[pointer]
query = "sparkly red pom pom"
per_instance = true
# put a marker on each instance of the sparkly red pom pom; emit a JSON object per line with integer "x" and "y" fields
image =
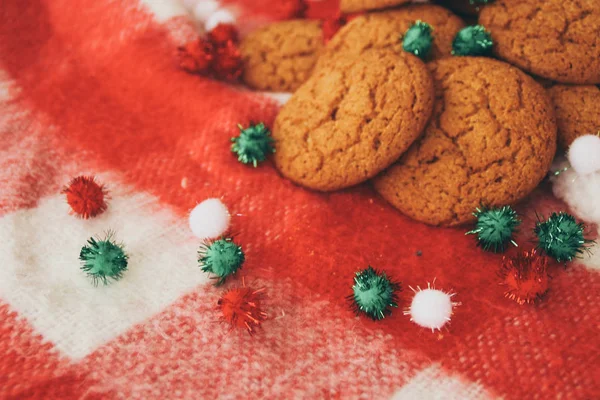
{"x": 525, "y": 276}
{"x": 228, "y": 62}
{"x": 196, "y": 56}
{"x": 86, "y": 197}
{"x": 241, "y": 308}
{"x": 223, "y": 33}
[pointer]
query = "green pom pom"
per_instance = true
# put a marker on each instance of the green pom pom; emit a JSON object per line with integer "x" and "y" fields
{"x": 253, "y": 145}
{"x": 374, "y": 294}
{"x": 221, "y": 257}
{"x": 472, "y": 41}
{"x": 103, "y": 259}
{"x": 495, "y": 228}
{"x": 418, "y": 39}
{"x": 561, "y": 237}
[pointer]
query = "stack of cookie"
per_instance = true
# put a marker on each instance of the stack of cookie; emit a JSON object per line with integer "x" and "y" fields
{"x": 438, "y": 136}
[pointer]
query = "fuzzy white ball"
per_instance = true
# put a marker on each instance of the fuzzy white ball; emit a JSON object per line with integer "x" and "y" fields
{"x": 221, "y": 16}
{"x": 584, "y": 154}
{"x": 205, "y": 9}
{"x": 580, "y": 193}
{"x": 431, "y": 308}
{"x": 209, "y": 219}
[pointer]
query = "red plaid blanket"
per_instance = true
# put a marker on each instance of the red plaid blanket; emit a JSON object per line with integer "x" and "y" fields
{"x": 93, "y": 88}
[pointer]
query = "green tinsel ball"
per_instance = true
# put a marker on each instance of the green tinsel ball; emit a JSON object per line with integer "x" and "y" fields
{"x": 221, "y": 257}
{"x": 103, "y": 259}
{"x": 495, "y": 227}
{"x": 561, "y": 237}
{"x": 374, "y": 294}
{"x": 253, "y": 145}
{"x": 472, "y": 41}
{"x": 418, "y": 39}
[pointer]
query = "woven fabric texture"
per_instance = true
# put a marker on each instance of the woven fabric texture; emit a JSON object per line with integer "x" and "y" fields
{"x": 93, "y": 88}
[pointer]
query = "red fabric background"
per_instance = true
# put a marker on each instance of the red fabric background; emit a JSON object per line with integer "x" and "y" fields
{"x": 122, "y": 104}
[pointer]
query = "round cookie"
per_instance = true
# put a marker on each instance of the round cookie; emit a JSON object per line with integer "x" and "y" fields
{"x": 384, "y": 30}
{"x": 352, "y": 120}
{"x": 281, "y": 56}
{"x": 490, "y": 141}
{"x": 555, "y": 39}
{"x": 577, "y": 111}
{"x": 352, "y": 6}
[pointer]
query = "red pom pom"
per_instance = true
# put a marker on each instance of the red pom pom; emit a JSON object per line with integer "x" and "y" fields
{"x": 241, "y": 308}
{"x": 223, "y": 33}
{"x": 86, "y": 197}
{"x": 196, "y": 56}
{"x": 228, "y": 62}
{"x": 525, "y": 276}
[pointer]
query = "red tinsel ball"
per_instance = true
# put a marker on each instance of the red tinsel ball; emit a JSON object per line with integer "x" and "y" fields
{"x": 241, "y": 308}
{"x": 196, "y": 56}
{"x": 223, "y": 33}
{"x": 525, "y": 276}
{"x": 228, "y": 62}
{"x": 86, "y": 197}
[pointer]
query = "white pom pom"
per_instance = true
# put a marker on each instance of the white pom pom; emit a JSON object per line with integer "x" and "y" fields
{"x": 205, "y": 9}
{"x": 209, "y": 219}
{"x": 581, "y": 193}
{"x": 431, "y": 308}
{"x": 221, "y": 16}
{"x": 584, "y": 154}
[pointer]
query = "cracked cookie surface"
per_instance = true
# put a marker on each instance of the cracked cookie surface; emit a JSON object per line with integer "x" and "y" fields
{"x": 385, "y": 30}
{"x": 281, "y": 56}
{"x": 491, "y": 140}
{"x": 577, "y": 111}
{"x": 350, "y": 121}
{"x": 555, "y": 39}
{"x": 351, "y": 6}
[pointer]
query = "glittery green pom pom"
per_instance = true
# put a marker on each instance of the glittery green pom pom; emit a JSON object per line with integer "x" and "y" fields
{"x": 561, "y": 237}
{"x": 472, "y": 41}
{"x": 221, "y": 257}
{"x": 103, "y": 259}
{"x": 495, "y": 228}
{"x": 253, "y": 145}
{"x": 374, "y": 294}
{"x": 418, "y": 39}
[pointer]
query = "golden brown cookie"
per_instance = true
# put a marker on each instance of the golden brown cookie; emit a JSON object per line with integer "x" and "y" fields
{"x": 352, "y": 6}
{"x": 555, "y": 39}
{"x": 281, "y": 56}
{"x": 385, "y": 29}
{"x": 577, "y": 111}
{"x": 350, "y": 121}
{"x": 490, "y": 141}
